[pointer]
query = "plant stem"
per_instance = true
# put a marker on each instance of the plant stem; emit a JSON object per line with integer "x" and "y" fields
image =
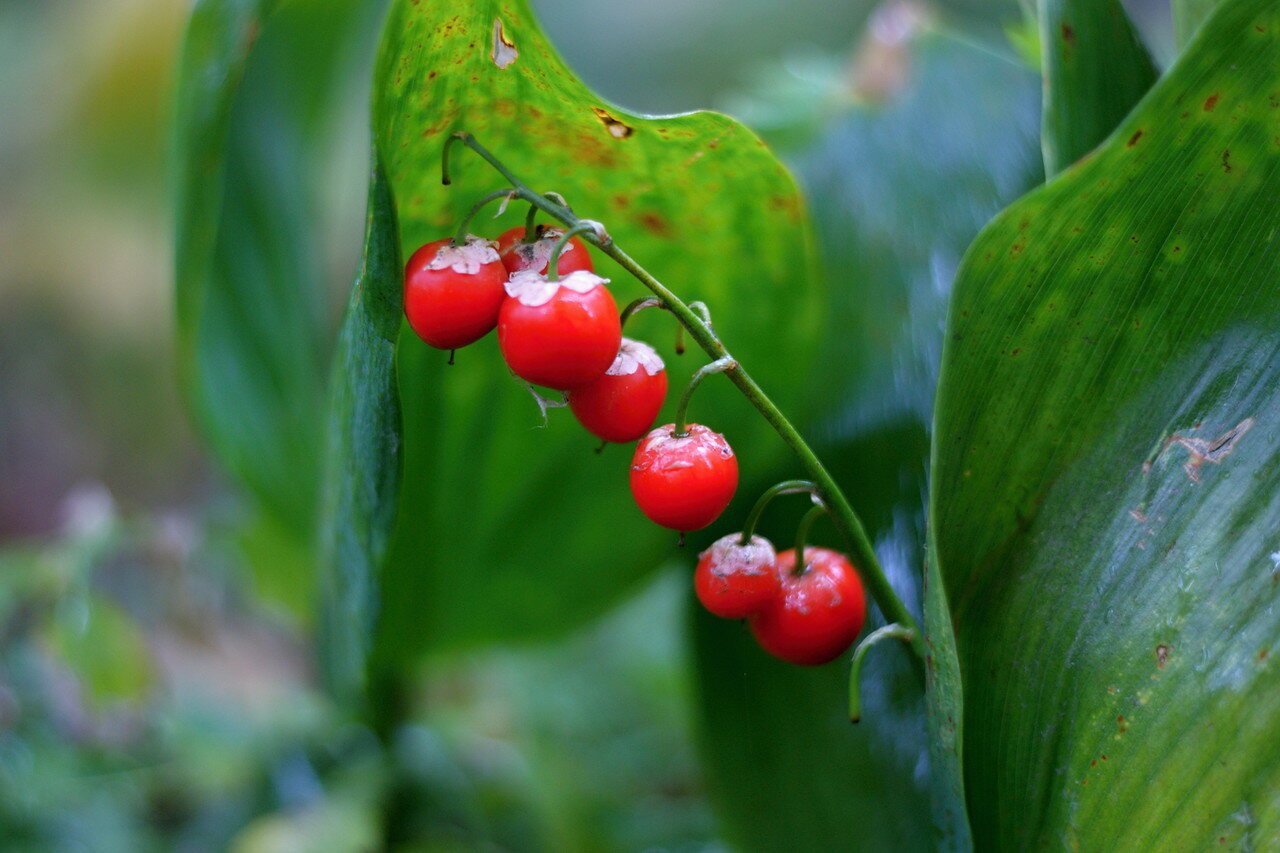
{"x": 637, "y": 305}
{"x": 802, "y": 536}
{"x": 553, "y": 262}
{"x": 724, "y": 364}
{"x": 786, "y": 487}
{"x": 886, "y": 632}
{"x": 465, "y": 225}
{"x": 842, "y": 514}
{"x": 530, "y": 228}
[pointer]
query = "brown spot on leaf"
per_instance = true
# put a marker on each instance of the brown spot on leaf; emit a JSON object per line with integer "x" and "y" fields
{"x": 1211, "y": 102}
{"x": 504, "y": 49}
{"x": 1226, "y": 159}
{"x": 1213, "y": 451}
{"x": 617, "y": 129}
{"x": 1133, "y": 140}
{"x": 1162, "y": 655}
{"x": 1122, "y": 724}
{"x": 1068, "y": 34}
{"x": 655, "y": 224}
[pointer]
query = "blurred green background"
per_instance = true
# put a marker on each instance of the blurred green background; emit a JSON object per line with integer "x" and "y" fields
{"x": 157, "y": 680}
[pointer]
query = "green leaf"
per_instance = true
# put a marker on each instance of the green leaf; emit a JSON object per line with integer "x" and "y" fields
{"x": 255, "y": 84}
{"x": 506, "y": 530}
{"x": 363, "y": 478}
{"x": 1095, "y": 70}
{"x": 1105, "y": 475}
{"x": 898, "y": 189}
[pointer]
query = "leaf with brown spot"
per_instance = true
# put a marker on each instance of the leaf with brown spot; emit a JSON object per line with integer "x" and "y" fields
{"x": 1095, "y": 70}
{"x": 506, "y": 532}
{"x": 1056, "y": 586}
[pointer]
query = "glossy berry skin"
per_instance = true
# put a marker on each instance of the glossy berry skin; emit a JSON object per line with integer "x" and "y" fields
{"x": 683, "y": 482}
{"x": 819, "y": 612}
{"x": 452, "y": 294}
{"x": 517, "y": 256}
{"x": 622, "y": 404}
{"x": 560, "y": 334}
{"x": 734, "y": 581}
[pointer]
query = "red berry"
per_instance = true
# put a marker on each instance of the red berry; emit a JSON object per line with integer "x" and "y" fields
{"x": 622, "y": 405}
{"x": 818, "y": 614}
{"x": 518, "y": 255}
{"x": 683, "y": 481}
{"x": 733, "y": 580}
{"x": 452, "y": 294}
{"x": 561, "y": 334}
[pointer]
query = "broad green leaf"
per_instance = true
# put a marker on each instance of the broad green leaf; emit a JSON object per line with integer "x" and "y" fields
{"x": 256, "y": 80}
{"x": 1095, "y": 70}
{"x": 507, "y": 530}
{"x": 363, "y": 478}
{"x": 898, "y": 190}
{"x": 1105, "y": 463}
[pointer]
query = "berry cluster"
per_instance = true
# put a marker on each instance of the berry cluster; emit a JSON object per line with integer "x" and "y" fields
{"x": 805, "y": 605}
{"x": 559, "y": 328}
{"x": 562, "y": 330}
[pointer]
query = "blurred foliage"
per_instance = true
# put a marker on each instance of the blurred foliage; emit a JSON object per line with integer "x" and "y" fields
{"x": 934, "y": 137}
{"x": 208, "y": 732}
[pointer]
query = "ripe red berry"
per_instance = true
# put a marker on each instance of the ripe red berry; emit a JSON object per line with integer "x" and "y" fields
{"x": 683, "y": 481}
{"x": 452, "y": 294}
{"x": 622, "y": 405}
{"x": 561, "y": 334}
{"x": 819, "y": 612}
{"x": 518, "y": 255}
{"x": 735, "y": 581}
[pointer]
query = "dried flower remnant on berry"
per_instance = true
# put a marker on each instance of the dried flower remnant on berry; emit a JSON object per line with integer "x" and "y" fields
{"x": 663, "y": 450}
{"x": 533, "y": 288}
{"x": 636, "y": 355}
{"x": 729, "y": 556}
{"x": 537, "y": 255}
{"x": 466, "y": 259}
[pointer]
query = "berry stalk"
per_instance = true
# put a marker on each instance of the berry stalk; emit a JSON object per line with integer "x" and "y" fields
{"x": 699, "y": 328}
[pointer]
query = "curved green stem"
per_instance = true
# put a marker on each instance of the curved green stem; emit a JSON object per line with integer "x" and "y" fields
{"x": 802, "y": 536}
{"x": 583, "y": 227}
{"x": 464, "y": 226}
{"x": 638, "y": 305}
{"x": 530, "y": 225}
{"x": 888, "y": 632}
{"x": 724, "y": 364}
{"x": 845, "y": 519}
{"x": 786, "y": 487}
{"x": 703, "y": 312}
